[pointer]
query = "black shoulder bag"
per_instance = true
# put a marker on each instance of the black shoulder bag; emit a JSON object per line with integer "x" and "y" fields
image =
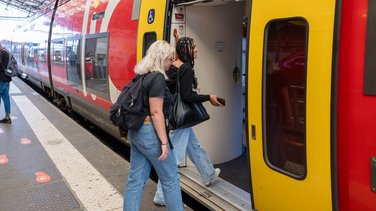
{"x": 184, "y": 114}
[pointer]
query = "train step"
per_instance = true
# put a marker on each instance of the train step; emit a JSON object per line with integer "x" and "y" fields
{"x": 221, "y": 195}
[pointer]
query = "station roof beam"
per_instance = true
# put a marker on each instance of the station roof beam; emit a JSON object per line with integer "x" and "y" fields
{"x": 30, "y": 6}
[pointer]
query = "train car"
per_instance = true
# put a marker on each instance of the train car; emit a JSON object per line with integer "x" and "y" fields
{"x": 298, "y": 78}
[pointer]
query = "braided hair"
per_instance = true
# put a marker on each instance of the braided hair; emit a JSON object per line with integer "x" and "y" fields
{"x": 185, "y": 51}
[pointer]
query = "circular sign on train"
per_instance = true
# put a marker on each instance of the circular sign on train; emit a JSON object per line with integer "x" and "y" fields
{"x": 151, "y": 15}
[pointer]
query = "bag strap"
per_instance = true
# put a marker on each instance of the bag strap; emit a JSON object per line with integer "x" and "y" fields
{"x": 2, "y": 66}
{"x": 178, "y": 81}
{"x": 10, "y": 57}
{"x": 168, "y": 135}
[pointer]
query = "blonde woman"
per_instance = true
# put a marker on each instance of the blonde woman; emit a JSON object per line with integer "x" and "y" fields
{"x": 149, "y": 144}
{"x": 184, "y": 139}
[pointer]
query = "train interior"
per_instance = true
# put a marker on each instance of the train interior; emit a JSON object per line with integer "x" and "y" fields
{"x": 217, "y": 28}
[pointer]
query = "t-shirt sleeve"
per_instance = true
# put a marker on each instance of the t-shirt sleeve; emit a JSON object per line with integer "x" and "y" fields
{"x": 157, "y": 86}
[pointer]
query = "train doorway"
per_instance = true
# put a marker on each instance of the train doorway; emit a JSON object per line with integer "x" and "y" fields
{"x": 217, "y": 28}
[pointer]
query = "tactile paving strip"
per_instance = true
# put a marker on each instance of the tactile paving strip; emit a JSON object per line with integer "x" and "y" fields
{"x": 47, "y": 197}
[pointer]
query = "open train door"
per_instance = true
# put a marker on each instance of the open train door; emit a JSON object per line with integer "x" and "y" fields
{"x": 151, "y": 25}
{"x": 289, "y": 102}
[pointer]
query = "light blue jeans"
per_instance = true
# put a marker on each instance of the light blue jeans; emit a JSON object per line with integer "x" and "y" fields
{"x": 4, "y": 93}
{"x": 185, "y": 141}
{"x": 145, "y": 150}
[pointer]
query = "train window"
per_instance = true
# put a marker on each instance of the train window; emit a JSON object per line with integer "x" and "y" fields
{"x": 32, "y": 55}
{"x": 42, "y": 55}
{"x": 73, "y": 56}
{"x": 149, "y": 38}
{"x": 136, "y": 9}
{"x": 58, "y": 52}
{"x": 370, "y": 63}
{"x": 96, "y": 64}
{"x": 284, "y": 101}
{"x": 42, "y": 52}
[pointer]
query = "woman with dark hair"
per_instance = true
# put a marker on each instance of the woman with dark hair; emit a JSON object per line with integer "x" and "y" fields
{"x": 184, "y": 140}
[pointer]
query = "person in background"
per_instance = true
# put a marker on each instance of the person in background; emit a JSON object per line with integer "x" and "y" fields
{"x": 149, "y": 144}
{"x": 4, "y": 84}
{"x": 184, "y": 140}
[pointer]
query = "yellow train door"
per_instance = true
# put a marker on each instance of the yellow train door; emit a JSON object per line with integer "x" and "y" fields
{"x": 151, "y": 24}
{"x": 289, "y": 98}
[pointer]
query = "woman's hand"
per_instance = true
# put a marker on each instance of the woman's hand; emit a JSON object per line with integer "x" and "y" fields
{"x": 164, "y": 152}
{"x": 214, "y": 101}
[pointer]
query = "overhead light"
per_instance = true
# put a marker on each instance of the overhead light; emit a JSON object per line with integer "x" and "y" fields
{"x": 193, "y": 2}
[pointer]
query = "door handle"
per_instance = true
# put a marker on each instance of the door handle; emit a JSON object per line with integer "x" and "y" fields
{"x": 373, "y": 174}
{"x": 253, "y": 132}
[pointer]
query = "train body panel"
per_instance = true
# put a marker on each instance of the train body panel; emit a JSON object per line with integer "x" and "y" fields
{"x": 290, "y": 78}
{"x": 356, "y": 114}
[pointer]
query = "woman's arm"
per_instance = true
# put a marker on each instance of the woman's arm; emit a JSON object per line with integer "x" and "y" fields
{"x": 186, "y": 90}
{"x": 156, "y": 112}
{"x": 189, "y": 95}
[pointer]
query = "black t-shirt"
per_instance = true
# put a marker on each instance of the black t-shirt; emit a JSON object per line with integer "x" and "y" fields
{"x": 4, "y": 59}
{"x": 154, "y": 85}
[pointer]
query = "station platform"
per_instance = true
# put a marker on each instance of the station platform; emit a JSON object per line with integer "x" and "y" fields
{"x": 49, "y": 162}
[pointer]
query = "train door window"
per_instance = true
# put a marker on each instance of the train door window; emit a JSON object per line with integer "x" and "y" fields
{"x": 23, "y": 54}
{"x": 284, "y": 100}
{"x": 96, "y": 64}
{"x": 32, "y": 55}
{"x": 35, "y": 57}
{"x": 28, "y": 55}
{"x": 42, "y": 52}
{"x": 17, "y": 52}
{"x": 149, "y": 38}
{"x": 58, "y": 52}
{"x": 72, "y": 50}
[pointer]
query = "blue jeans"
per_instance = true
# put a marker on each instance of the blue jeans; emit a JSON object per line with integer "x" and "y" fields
{"x": 185, "y": 140}
{"x": 4, "y": 94}
{"x": 145, "y": 150}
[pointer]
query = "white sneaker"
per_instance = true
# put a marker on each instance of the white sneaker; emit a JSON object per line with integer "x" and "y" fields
{"x": 159, "y": 203}
{"x": 217, "y": 171}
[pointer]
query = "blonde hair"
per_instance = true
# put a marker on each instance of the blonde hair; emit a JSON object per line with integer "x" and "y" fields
{"x": 155, "y": 57}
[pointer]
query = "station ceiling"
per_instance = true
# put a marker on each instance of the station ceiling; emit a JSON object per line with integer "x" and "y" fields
{"x": 29, "y": 6}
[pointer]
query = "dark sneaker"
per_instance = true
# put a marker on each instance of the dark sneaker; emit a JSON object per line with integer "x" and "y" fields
{"x": 6, "y": 121}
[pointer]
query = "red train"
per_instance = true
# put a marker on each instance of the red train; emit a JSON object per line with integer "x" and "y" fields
{"x": 298, "y": 78}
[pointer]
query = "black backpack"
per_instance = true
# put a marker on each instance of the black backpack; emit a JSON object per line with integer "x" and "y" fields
{"x": 128, "y": 110}
{"x": 11, "y": 69}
